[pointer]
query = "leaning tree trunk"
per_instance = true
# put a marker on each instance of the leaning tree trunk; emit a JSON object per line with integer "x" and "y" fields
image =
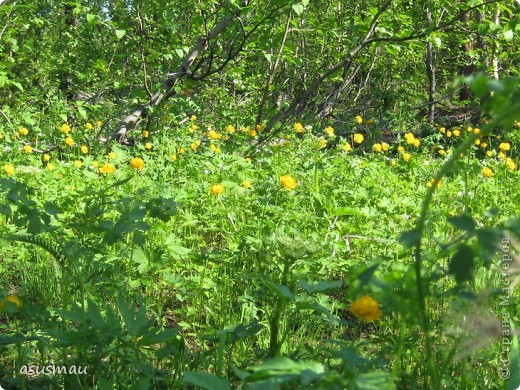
{"x": 166, "y": 90}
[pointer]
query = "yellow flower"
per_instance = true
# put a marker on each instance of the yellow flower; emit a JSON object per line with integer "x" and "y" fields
{"x": 298, "y": 127}
{"x": 9, "y": 169}
{"x": 442, "y": 152}
{"x": 230, "y": 129}
{"x": 145, "y": 133}
{"x": 443, "y": 130}
{"x": 95, "y": 164}
{"x": 469, "y": 129}
{"x": 393, "y": 162}
{"x": 358, "y": 138}
{"x": 194, "y": 146}
{"x": 107, "y": 168}
{"x": 137, "y": 163}
{"x": 89, "y": 126}
{"x": 409, "y": 138}
{"x": 99, "y": 123}
{"x": 193, "y": 128}
{"x": 78, "y": 163}
{"x": 65, "y": 128}
{"x": 476, "y": 130}
{"x": 27, "y": 149}
{"x": 502, "y": 156}
{"x": 407, "y": 156}
{"x": 456, "y": 133}
{"x": 69, "y": 141}
{"x": 347, "y": 147}
{"x": 51, "y": 166}
{"x": 216, "y": 189}
{"x": 11, "y": 299}
{"x": 214, "y": 135}
{"x": 23, "y": 130}
{"x": 288, "y": 182}
{"x": 173, "y": 157}
{"x": 384, "y": 146}
{"x": 322, "y": 143}
{"x": 477, "y": 141}
{"x": 416, "y": 142}
{"x": 483, "y": 145}
{"x": 84, "y": 149}
{"x": 489, "y": 153}
{"x": 111, "y": 155}
{"x": 329, "y": 130}
{"x": 193, "y": 118}
{"x": 248, "y": 160}
{"x": 215, "y": 149}
{"x": 487, "y": 172}
{"x": 366, "y": 308}
{"x": 180, "y": 151}
{"x": 400, "y": 149}
{"x": 259, "y": 127}
{"x": 148, "y": 145}
{"x": 246, "y": 184}
{"x": 504, "y": 146}
{"x": 377, "y": 147}
{"x": 432, "y": 182}
{"x": 358, "y": 119}
{"x": 511, "y": 165}
{"x": 252, "y": 133}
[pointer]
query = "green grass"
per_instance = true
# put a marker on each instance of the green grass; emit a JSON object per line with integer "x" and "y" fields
{"x": 151, "y": 281}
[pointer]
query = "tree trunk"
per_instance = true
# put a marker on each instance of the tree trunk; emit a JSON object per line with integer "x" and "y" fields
{"x": 429, "y": 61}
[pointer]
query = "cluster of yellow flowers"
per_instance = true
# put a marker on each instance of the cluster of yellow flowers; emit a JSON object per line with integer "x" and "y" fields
{"x": 412, "y": 140}
{"x": 287, "y": 181}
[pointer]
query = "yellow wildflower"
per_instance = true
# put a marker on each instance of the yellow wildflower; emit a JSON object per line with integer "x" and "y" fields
{"x": 51, "y": 166}
{"x": 322, "y": 143}
{"x": 358, "y": 138}
{"x": 416, "y": 142}
{"x": 259, "y": 127}
{"x": 487, "y": 172}
{"x": 137, "y": 163}
{"x": 215, "y": 149}
{"x": 504, "y": 146}
{"x": 384, "y": 146}
{"x": 329, "y": 130}
{"x": 511, "y": 164}
{"x": 23, "y": 130}
{"x": 65, "y": 128}
{"x": 502, "y": 156}
{"x": 246, "y": 184}
{"x": 173, "y": 157}
{"x": 366, "y": 308}
{"x": 84, "y": 149}
{"x": 69, "y": 141}
{"x": 9, "y": 169}
{"x": 252, "y": 133}
{"x": 216, "y": 189}
{"x": 400, "y": 149}
{"x": 89, "y": 126}
{"x": 288, "y": 182}
{"x": 193, "y": 118}
{"x": 298, "y": 127}
{"x": 248, "y": 160}
{"x": 358, "y": 119}
{"x": 148, "y": 145}
{"x": 377, "y": 147}
{"x": 99, "y": 123}
{"x": 10, "y": 300}
{"x": 230, "y": 129}
{"x": 27, "y": 149}
{"x": 78, "y": 163}
{"x": 347, "y": 147}
{"x": 46, "y": 157}
{"x": 456, "y": 133}
{"x": 107, "y": 168}
{"x": 180, "y": 151}
{"x": 407, "y": 156}
{"x": 111, "y": 155}
{"x": 145, "y": 133}
{"x": 214, "y": 135}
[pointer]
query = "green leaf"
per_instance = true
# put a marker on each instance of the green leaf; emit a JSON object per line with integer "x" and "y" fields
{"x": 298, "y": 9}
{"x": 120, "y": 34}
{"x": 410, "y": 238}
{"x": 463, "y": 222}
{"x": 176, "y": 250}
{"x": 462, "y": 264}
{"x": 205, "y": 381}
{"x": 508, "y": 35}
{"x": 281, "y": 291}
{"x": 91, "y": 18}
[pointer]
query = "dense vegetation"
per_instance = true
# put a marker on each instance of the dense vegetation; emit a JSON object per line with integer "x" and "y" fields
{"x": 259, "y": 194}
